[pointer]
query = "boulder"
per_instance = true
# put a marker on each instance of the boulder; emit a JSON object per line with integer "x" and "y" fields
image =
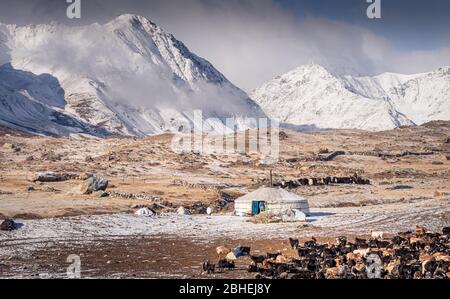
{"x": 51, "y": 156}
{"x": 85, "y": 176}
{"x": 102, "y": 194}
{"x": 145, "y": 212}
{"x": 331, "y": 156}
{"x": 13, "y": 147}
{"x": 183, "y": 211}
{"x": 93, "y": 184}
{"x": 9, "y": 225}
{"x": 293, "y": 216}
{"x": 240, "y": 251}
{"x": 47, "y": 177}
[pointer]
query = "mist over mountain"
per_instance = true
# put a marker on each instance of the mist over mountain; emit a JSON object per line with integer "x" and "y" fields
{"x": 130, "y": 77}
{"x": 126, "y": 77}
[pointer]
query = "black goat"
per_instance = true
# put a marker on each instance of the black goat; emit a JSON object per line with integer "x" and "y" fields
{"x": 224, "y": 264}
{"x": 273, "y": 255}
{"x": 257, "y": 259}
{"x": 208, "y": 267}
{"x": 294, "y": 243}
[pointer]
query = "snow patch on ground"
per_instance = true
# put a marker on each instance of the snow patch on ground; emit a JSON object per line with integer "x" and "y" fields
{"x": 321, "y": 222}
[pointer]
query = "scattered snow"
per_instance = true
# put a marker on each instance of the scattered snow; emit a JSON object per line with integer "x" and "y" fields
{"x": 390, "y": 218}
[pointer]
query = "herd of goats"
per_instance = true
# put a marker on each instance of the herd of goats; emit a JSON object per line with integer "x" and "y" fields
{"x": 408, "y": 255}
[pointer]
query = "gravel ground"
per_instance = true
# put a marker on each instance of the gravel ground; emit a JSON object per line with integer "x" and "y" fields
{"x": 168, "y": 240}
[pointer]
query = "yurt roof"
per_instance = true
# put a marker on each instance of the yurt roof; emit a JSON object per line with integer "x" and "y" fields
{"x": 271, "y": 195}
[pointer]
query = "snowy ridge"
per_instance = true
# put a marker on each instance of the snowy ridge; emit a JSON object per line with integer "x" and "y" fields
{"x": 311, "y": 95}
{"x": 126, "y": 77}
{"x": 422, "y": 97}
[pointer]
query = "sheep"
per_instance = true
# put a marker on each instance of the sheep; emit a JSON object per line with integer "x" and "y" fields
{"x": 420, "y": 231}
{"x": 439, "y": 256}
{"x": 362, "y": 252}
{"x": 222, "y": 251}
{"x": 282, "y": 259}
{"x": 268, "y": 264}
{"x": 392, "y": 265}
{"x": 231, "y": 257}
{"x": 360, "y": 266}
{"x": 427, "y": 256}
{"x": 413, "y": 240}
{"x": 353, "y": 256}
{"x": 332, "y": 273}
{"x": 378, "y": 235}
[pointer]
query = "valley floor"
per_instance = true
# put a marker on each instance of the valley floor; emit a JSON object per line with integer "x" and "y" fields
{"x": 171, "y": 245}
{"x": 408, "y": 168}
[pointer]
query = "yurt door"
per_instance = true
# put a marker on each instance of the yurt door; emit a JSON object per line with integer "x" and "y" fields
{"x": 258, "y": 207}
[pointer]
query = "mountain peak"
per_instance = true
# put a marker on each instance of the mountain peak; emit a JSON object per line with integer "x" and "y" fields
{"x": 444, "y": 70}
{"x": 306, "y": 73}
{"x": 129, "y": 77}
{"x": 313, "y": 95}
{"x": 133, "y": 20}
{"x": 312, "y": 68}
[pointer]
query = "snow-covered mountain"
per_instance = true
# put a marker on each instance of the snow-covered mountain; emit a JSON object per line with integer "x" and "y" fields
{"x": 311, "y": 95}
{"x": 421, "y": 97}
{"x": 126, "y": 77}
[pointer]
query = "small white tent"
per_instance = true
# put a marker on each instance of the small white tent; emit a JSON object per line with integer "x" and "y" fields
{"x": 272, "y": 200}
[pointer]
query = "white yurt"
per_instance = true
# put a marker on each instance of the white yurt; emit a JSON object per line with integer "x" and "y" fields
{"x": 272, "y": 200}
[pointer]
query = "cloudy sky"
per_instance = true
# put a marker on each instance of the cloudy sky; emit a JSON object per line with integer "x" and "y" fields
{"x": 252, "y": 41}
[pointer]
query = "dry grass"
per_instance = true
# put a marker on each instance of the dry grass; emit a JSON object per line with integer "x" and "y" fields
{"x": 149, "y": 166}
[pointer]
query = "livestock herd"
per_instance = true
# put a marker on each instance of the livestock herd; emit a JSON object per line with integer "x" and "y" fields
{"x": 408, "y": 255}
